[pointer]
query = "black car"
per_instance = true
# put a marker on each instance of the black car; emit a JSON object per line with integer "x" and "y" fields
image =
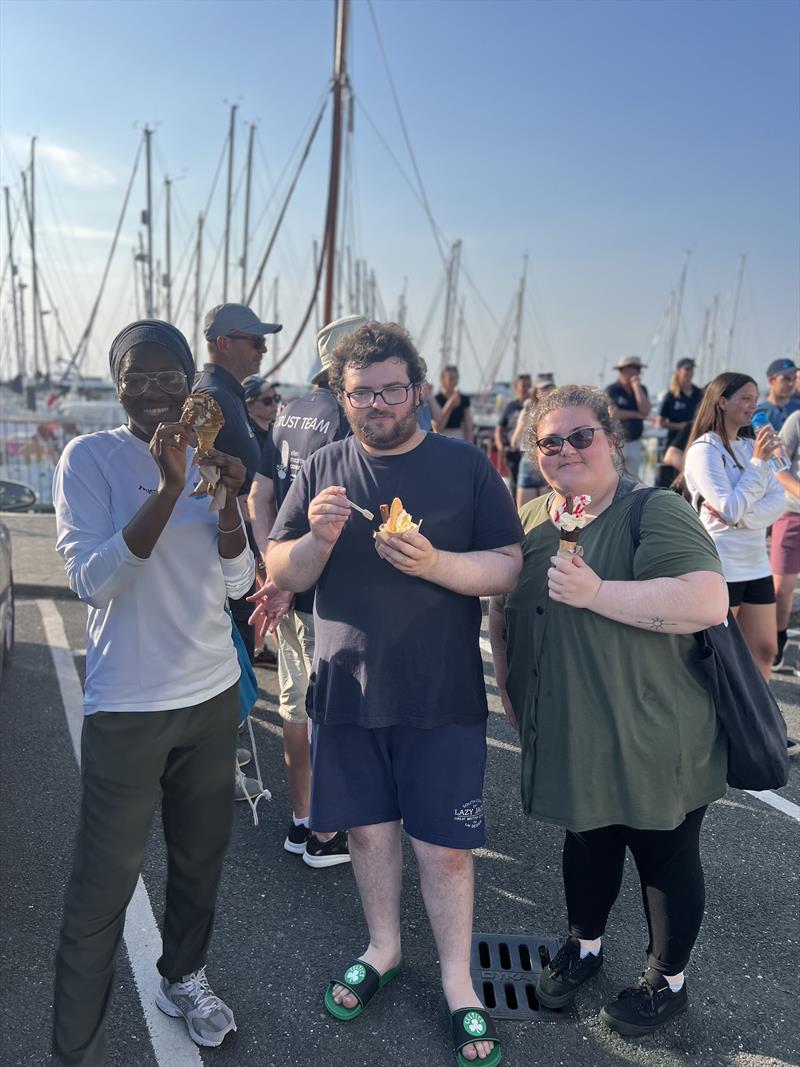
{"x": 13, "y": 497}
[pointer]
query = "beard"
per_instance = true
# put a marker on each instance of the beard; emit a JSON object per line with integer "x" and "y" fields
{"x": 385, "y": 433}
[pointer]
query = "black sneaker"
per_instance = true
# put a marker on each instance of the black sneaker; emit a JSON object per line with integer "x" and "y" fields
{"x": 326, "y": 853}
{"x": 565, "y": 974}
{"x": 296, "y": 839}
{"x": 644, "y": 1006}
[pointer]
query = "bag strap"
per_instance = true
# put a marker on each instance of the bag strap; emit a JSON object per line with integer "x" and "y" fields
{"x": 635, "y": 514}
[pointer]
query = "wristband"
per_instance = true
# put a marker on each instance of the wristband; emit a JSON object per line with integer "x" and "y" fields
{"x": 235, "y": 528}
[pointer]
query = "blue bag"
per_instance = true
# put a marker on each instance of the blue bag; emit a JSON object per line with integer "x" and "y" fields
{"x": 248, "y": 686}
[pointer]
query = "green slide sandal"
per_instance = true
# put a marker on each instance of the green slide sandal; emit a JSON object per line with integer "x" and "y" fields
{"x": 363, "y": 981}
{"x": 474, "y": 1024}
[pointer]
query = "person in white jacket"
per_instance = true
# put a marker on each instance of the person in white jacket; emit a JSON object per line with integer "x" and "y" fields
{"x": 161, "y": 696}
{"x": 734, "y": 489}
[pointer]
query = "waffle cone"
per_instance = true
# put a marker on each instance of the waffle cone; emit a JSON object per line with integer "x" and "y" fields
{"x": 206, "y": 436}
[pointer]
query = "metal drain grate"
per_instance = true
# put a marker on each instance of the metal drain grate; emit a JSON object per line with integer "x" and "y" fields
{"x": 504, "y": 970}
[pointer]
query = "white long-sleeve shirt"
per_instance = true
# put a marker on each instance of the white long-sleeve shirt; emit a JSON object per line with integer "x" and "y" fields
{"x": 747, "y": 499}
{"x": 157, "y": 635}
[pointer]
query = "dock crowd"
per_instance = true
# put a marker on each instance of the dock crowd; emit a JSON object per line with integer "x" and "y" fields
{"x": 348, "y": 541}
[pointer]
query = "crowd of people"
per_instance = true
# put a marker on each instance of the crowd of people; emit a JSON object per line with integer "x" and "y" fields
{"x": 370, "y": 720}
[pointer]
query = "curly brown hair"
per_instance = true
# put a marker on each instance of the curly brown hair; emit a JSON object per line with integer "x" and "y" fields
{"x": 371, "y": 343}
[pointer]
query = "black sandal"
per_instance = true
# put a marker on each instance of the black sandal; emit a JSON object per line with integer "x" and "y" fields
{"x": 363, "y": 981}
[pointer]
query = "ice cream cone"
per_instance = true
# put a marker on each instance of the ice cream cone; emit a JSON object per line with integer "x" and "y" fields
{"x": 206, "y": 436}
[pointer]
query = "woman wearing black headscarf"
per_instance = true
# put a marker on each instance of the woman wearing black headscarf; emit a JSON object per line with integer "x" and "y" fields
{"x": 161, "y": 696}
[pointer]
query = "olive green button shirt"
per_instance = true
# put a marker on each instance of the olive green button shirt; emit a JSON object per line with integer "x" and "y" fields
{"x": 616, "y": 724}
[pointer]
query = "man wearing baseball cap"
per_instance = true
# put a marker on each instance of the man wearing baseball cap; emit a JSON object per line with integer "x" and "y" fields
{"x": 676, "y": 413}
{"x": 236, "y": 339}
{"x": 781, "y": 400}
{"x": 299, "y": 430}
{"x": 630, "y": 404}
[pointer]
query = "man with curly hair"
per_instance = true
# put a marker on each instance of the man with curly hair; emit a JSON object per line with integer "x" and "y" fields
{"x": 397, "y": 702}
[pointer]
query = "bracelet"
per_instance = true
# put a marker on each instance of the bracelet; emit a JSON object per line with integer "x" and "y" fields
{"x": 220, "y": 530}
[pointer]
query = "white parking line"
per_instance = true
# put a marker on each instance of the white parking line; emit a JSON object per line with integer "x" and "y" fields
{"x": 778, "y": 802}
{"x": 766, "y": 796}
{"x": 172, "y": 1045}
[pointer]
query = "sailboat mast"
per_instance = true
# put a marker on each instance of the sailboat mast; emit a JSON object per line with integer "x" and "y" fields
{"x": 713, "y": 335}
{"x": 339, "y": 85}
{"x": 18, "y": 337}
{"x": 518, "y": 319}
{"x": 31, "y": 204}
{"x": 735, "y": 311}
{"x": 275, "y": 318}
{"x": 460, "y": 331}
{"x": 148, "y": 133}
{"x": 247, "y": 187}
{"x": 676, "y": 322}
{"x": 198, "y": 270}
{"x": 402, "y": 306}
{"x": 450, "y": 303}
{"x": 228, "y": 200}
{"x": 167, "y": 279}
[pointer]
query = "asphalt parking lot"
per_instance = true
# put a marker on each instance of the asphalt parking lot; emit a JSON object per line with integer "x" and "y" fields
{"x": 282, "y": 927}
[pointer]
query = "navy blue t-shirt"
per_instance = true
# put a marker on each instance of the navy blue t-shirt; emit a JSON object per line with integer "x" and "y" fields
{"x": 391, "y": 649}
{"x": 680, "y": 408}
{"x": 624, "y": 399}
{"x": 300, "y": 429}
{"x": 236, "y": 438}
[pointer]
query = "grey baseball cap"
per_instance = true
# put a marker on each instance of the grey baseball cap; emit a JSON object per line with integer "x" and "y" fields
{"x": 330, "y": 335}
{"x": 235, "y": 318}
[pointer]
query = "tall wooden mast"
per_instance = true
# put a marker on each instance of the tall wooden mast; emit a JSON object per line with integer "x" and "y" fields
{"x": 339, "y": 88}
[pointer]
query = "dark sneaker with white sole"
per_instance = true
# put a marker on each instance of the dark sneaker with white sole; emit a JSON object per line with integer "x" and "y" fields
{"x": 326, "y": 853}
{"x": 645, "y": 1006}
{"x": 296, "y": 839}
{"x": 565, "y": 974}
{"x": 207, "y": 1017}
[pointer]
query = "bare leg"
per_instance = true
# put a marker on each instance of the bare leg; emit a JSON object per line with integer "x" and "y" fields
{"x": 298, "y": 766}
{"x": 784, "y": 591}
{"x": 298, "y": 770}
{"x": 757, "y": 623}
{"x": 377, "y": 858}
{"x": 447, "y": 881}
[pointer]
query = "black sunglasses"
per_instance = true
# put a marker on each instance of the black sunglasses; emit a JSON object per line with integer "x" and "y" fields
{"x": 256, "y": 340}
{"x": 552, "y": 444}
{"x": 273, "y": 398}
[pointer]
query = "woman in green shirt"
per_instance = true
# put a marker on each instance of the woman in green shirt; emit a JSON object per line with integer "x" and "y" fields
{"x": 620, "y": 743}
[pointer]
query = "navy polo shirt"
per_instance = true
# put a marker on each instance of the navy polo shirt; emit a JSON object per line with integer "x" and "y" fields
{"x": 236, "y": 437}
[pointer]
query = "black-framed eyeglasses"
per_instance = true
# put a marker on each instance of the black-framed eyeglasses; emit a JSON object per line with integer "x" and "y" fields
{"x": 169, "y": 381}
{"x": 256, "y": 340}
{"x": 552, "y": 444}
{"x": 392, "y": 395}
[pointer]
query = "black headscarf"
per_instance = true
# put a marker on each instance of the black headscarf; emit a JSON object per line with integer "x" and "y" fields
{"x": 151, "y": 331}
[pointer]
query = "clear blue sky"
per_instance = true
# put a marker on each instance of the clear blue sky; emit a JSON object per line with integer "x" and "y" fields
{"x": 603, "y": 138}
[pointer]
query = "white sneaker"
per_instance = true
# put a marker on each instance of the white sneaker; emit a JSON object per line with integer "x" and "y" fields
{"x": 207, "y": 1018}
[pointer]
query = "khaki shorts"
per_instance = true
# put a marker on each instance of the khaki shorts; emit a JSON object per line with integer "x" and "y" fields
{"x": 295, "y": 655}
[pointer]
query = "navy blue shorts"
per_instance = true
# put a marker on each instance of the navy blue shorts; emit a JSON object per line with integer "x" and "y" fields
{"x": 431, "y": 779}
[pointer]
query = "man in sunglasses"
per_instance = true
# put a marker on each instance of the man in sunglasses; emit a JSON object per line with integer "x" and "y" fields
{"x": 236, "y": 339}
{"x": 262, "y": 400}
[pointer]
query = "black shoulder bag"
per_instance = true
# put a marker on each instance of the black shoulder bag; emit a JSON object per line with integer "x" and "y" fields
{"x": 745, "y": 706}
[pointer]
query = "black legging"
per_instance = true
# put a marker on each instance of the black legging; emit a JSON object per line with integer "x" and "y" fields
{"x": 671, "y": 875}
